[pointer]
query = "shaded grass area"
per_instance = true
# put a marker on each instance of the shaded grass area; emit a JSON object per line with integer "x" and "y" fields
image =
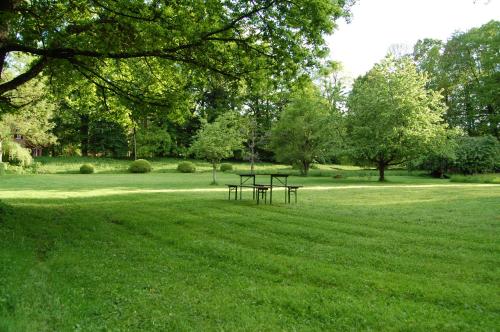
{"x": 479, "y": 178}
{"x": 353, "y": 259}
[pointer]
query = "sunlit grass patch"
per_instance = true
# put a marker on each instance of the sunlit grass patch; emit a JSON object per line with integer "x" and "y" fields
{"x": 128, "y": 252}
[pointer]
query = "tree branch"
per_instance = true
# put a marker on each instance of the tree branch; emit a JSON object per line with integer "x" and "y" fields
{"x": 25, "y": 77}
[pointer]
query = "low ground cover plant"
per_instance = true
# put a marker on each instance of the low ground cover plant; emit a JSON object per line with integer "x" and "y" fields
{"x": 224, "y": 167}
{"x": 186, "y": 167}
{"x": 140, "y": 166}
{"x": 87, "y": 169}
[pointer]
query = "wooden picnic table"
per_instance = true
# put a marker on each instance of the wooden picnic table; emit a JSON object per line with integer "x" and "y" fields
{"x": 281, "y": 180}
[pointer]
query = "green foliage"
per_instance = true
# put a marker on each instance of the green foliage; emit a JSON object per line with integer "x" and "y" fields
{"x": 393, "y": 118}
{"x": 87, "y": 169}
{"x": 32, "y": 118}
{"x": 142, "y": 44}
{"x": 17, "y": 155}
{"x": 465, "y": 71}
{"x": 439, "y": 161}
{"x": 307, "y": 131}
{"x": 71, "y": 150}
{"x": 107, "y": 138}
{"x": 224, "y": 167}
{"x": 477, "y": 154}
{"x": 186, "y": 167}
{"x": 218, "y": 140}
{"x": 140, "y": 166}
{"x": 3, "y": 167}
{"x": 153, "y": 141}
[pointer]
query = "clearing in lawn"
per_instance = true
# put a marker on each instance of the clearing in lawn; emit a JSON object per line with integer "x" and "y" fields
{"x": 410, "y": 255}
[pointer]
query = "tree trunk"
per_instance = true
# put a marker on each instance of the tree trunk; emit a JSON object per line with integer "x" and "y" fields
{"x": 84, "y": 134}
{"x": 214, "y": 173}
{"x": 381, "y": 171}
{"x": 305, "y": 168}
{"x": 135, "y": 144}
{"x": 1, "y": 151}
{"x": 252, "y": 156}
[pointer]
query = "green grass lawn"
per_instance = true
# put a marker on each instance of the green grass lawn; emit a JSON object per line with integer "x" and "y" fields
{"x": 116, "y": 252}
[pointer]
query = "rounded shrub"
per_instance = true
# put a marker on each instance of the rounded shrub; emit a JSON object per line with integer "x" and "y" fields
{"x": 226, "y": 167}
{"x": 86, "y": 169}
{"x": 140, "y": 166}
{"x": 186, "y": 167}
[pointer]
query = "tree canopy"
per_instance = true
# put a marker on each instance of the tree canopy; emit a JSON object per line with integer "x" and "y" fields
{"x": 307, "y": 130}
{"x": 129, "y": 47}
{"x": 218, "y": 140}
{"x": 465, "y": 70}
{"x": 392, "y": 116}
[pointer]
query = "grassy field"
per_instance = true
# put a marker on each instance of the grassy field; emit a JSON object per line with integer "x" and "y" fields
{"x": 121, "y": 252}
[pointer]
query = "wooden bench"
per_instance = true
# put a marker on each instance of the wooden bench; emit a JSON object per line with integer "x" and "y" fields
{"x": 261, "y": 192}
{"x": 232, "y": 188}
{"x": 292, "y": 190}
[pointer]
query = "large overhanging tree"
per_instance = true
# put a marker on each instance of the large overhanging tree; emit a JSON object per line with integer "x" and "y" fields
{"x": 114, "y": 43}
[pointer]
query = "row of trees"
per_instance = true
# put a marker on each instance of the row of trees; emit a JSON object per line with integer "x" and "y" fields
{"x": 253, "y": 71}
{"x": 392, "y": 116}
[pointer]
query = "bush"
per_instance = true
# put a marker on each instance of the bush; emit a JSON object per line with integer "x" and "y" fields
{"x": 226, "y": 167}
{"x": 86, "y": 169}
{"x": 71, "y": 150}
{"x": 17, "y": 155}
{"x": 186, "y": 167}
{"x": 3, "y": 167}
{"x": 140, "y": 166}
{"x": 38, "y": 168}
{"x": 476, "y": 154}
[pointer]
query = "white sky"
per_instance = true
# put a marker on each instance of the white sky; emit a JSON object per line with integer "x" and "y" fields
{"x": 376, "y": 25}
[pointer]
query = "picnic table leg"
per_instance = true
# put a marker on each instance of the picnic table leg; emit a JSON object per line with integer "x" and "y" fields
{"x": 271, "y": 193}
{"x": 236, "y": 193}
{"x": 253, "y": 197}
{"x": 241, "y": 192}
